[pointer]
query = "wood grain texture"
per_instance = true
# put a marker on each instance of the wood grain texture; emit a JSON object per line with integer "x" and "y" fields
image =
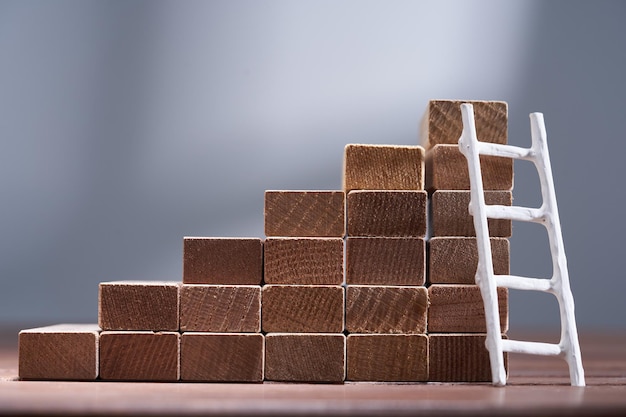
{"x": 446, "y": 169}
{"x": 387, "y": 358}
{"x": 138, "y": 305}
{"x": 386, "y": 309}
{"x": 386, "y": 213}
{"x": 450, "y": 216}
{"x": 139, "y": 356}
{"x": 385, "y": 260}
{"x": 460, "y": 309}
{"x": 537, "y": 386}
{"x": 302, "y": 309}
{"x": 221, "y": 357}
{"x": 303, "y": 261}
{"x": 220, "y": 308}
{"x": 59, "y": 352}
{"x": 383, "y": 167}
{"x": 453, "y": 260}
{"x": 459, "y": 358}
{"x": 304, "y": 213}
{"x": 305, "y": 357}
{"x": 442, "y": 122}
{"x": 227, "y": 261}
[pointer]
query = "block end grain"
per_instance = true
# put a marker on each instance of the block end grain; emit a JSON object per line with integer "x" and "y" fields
{"x": 460, "y": 309}
{"x": 226, "y": 261}
{"x": 303, "y": 261}
{"x": 387, "y": 358}
{"x": 59, "y": 352}
{"x": 138, "y": 305}
{"x": 442, "y": 122}
{"x": 387, "y": 213}
{"x": 220, "y": 308}
{"x": 383, "y": 167}
{"x": 305, "y": 357}
{"x": 220, "y": 357}
{"x": 386, "y": 309}
{"x": 139, "y": 356}
{"x": 304, "y": 213}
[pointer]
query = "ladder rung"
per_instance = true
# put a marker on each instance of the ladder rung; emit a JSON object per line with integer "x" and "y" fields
{"x": 523, "y": 283}
{"x": 506, "y": 151}
{"x": 523, "y": 214}
{"x": 531, "y": 348}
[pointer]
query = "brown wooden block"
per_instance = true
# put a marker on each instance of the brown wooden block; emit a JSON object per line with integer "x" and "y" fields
{"x": 220, "y": 308}
{"x": 459, "y": 358}
{"x": 387, "y": 213}
{"x": 460, "y": 309}
{"x": 222, "y": 357}
{"x": 138, "y": 305}
{"x": 390, "y": 358}
{"x": 226, "y": 261}
{"x": 386, "y": 309}
{"x": 63, "y": 351}
{"x": 304, "y": 213}
{"x": 385, "y": 260}
{"x": 302, "y": 309}
{"x": 446, "y": 169}
{"x": 450, "y": 215}
{"x": 305, "y": 357}
{"x": 383, "y": 167}
{"x": 139, "y": 356}
{"x": 442, "y": 122}
{"x": 304, "y": 261}
{"x": 453, "y": 260}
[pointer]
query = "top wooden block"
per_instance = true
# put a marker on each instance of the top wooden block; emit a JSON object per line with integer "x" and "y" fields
{"x": 442, "y": 122}
{"x": 304, "y": 213}
{"x": 383, "y": 167}
{"x": 225, "y": 261}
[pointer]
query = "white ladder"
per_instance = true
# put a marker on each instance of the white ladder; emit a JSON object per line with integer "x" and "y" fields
{"x": 547, "y": 215}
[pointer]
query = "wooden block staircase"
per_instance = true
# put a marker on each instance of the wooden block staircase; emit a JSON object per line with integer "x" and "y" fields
{"x": 374, "y": 282}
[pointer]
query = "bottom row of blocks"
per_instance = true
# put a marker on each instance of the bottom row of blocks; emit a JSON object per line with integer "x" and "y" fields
{"x": 85, "y": 353}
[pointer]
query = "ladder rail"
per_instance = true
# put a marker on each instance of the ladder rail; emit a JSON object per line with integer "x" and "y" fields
{"x": 547, "y": 215}
{"x": 569, "y": 332}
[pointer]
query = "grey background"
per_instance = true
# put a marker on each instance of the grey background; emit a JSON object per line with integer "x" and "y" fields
{"x": 125, "y": 126}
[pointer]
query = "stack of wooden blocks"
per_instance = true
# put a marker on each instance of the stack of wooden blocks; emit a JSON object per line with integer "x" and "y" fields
{"x": 456, "y": 321}
{"x": 340, "y": 289}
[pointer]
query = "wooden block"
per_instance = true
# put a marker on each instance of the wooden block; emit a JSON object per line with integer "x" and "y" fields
{"x": 446, "y": 169}
{"x": 305, "y": 357}
{"x": 453, "y": 260}
{"x": 304, "y": 213}
{"x": 387, "y": 358}
{"x": 385, "y": 260}
{"x": 222, "y": 357}
{"x": 459, "y": 358}
{"x": 450, "y": 215}
{"x": 383, "y": 167}
{"x": 302, "y": 309}
{"x": 138, "y": 305}
{"x": 304, "y": 261}
{"x": 386, "y": 309}
{"x": 63, "y": 352}
{"x": 220, "y": 308}
{"x": 139, "y": 356}
{"x": 226, "y": 261}
{"x": 387, "y": 213}
{"x": 442, "y": 122}
{"x": 460, "y": 309}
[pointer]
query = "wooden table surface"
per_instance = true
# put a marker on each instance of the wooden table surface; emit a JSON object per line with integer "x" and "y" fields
{"x": 537, "y": 385}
